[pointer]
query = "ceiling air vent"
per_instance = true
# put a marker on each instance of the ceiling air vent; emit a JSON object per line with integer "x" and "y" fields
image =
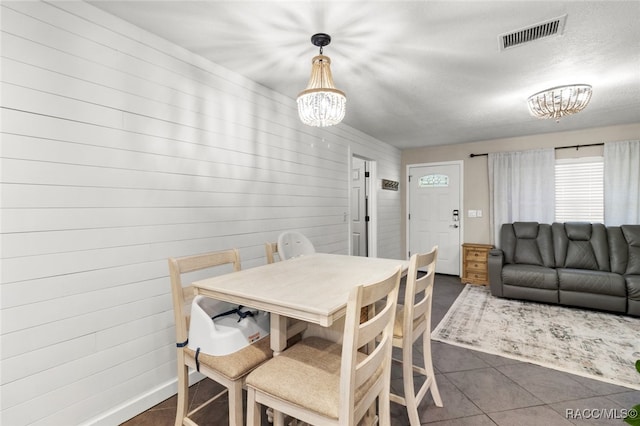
{"x": 552, "y": 27}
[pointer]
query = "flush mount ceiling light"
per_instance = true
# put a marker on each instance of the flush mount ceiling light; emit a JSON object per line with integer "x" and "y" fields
{"x": 321, "y": 104}
{"x": 559, "y": 101}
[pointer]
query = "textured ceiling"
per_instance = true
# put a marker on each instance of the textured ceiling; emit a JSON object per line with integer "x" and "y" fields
{"x": 419, "y": 73}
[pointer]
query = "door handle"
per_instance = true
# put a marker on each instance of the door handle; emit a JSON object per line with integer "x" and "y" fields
{"x": 455, "y": 225}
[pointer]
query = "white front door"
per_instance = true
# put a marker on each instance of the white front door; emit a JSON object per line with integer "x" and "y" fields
{"x": 435, "y": 213}
{"x": 359, "y": 199}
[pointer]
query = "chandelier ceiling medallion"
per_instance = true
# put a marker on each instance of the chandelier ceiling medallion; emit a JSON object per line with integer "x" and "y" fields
{"x": 321, "y": 104}
{"x": 559, "y": 101}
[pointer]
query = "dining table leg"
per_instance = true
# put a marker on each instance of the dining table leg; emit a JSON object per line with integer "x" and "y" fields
{"x": 278, "y": 345}
{"x": 278, "y": 333}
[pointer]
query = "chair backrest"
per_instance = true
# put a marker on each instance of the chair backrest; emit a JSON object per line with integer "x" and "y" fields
{"x": 293, "y": 244}
{"x": 418, "y": 294}
{"x": 271, "y": 249}
{"x": 376, "y": 334}
{"x": 182, "y": 296}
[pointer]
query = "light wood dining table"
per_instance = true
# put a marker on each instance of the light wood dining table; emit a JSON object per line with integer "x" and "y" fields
{"x": 312, "y": 288}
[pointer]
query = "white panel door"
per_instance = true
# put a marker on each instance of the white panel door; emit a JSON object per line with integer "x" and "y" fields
{"x": 358, "y": 207}
{"x": 434, "y": 213}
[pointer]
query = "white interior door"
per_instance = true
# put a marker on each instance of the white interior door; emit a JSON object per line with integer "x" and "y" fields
{"x": 358, "y": 207}
{"x": 435, "y": 213}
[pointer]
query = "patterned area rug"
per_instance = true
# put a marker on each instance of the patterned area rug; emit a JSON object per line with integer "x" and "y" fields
{"x": 592, "y": 344}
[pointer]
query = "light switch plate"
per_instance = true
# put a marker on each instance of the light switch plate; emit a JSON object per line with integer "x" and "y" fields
{"x": 471, "y": 213}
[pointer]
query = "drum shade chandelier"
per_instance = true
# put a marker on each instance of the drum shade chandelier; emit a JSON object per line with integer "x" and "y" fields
{"x": 559, "y": 101}
{"x": 321, "y": 104}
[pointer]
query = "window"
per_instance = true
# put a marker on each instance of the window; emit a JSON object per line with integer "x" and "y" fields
{"x": 434, "y": 180}
{"x": 579, "y": 190}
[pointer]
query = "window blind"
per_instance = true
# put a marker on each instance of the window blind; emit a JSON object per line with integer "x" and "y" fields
{"x": 579, "y": 190}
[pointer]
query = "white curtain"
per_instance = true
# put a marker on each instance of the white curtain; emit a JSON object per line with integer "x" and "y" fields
{"x": 521, "y": 188}
{"x": 622, "y": 183}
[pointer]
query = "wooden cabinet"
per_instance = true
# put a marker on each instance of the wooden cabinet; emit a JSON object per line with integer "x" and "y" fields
{"x": 474, "y": 264}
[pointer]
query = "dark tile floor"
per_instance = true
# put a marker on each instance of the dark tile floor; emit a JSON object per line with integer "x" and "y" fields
{"x": 477, "y": 389}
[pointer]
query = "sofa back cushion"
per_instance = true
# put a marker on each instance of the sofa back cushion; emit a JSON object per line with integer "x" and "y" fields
{"x": 618, "y": 250}
{"x": 632, "y": 235}
{"x": 581, "y": 245}
{"x": 624, "y": 246}
{"x": 527, "y": 243}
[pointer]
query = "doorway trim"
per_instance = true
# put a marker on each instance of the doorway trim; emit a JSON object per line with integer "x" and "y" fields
{"x": 460, "y": 163}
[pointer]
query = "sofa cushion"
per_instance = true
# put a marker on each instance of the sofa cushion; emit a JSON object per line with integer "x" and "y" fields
{"x": 579, "y": 231}
{"x": 527, "y": 243}
{"x": 633, "y": 287}
{"x": 633, "y": 307}
{"x": 580, "y": 245}
{"x": 530, "y": 276}
{"x": 632, "y": 236}
{"x": 580, "y": 255}
{"x": 618, "y": 250}
{"x": 601, "y": 302}
{"x": 531, "y": 293}
{"x": 527, "y": 230}
{"x": 598, "y": 282}
{"x": 527, "y": 252}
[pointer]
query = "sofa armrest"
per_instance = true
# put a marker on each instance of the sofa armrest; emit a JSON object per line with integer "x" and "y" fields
{"x": 496, "y": 252}
{"x": 495, "y": 263}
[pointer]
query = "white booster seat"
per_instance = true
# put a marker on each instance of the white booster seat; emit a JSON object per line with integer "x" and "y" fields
{"x": 221, "y": 328}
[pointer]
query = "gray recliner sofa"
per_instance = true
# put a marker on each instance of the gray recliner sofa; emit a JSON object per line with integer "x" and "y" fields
{"x": 574, "y": 264}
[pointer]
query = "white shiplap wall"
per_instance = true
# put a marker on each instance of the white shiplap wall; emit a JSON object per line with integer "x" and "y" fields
{"x": 119, "y": 150}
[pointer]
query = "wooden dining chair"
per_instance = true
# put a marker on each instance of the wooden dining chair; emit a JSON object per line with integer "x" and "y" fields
{"x": 293, "y": 244}
{"x": 271, "y": 249}
{"x": 324, "y": 383}
{"x": 228, "y": 370}
{"x": 413, "y": 321}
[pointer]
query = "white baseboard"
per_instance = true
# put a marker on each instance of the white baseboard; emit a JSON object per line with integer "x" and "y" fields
{"x": 140, "y": 404}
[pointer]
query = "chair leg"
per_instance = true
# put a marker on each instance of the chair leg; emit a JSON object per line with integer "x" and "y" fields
{"x": 235, "y": 404}
{"x": 428, "y": 366}
{"x": 183, "y": 391}
{"x": 384, "y": 406}
{"x": 253, "y": 409}
{"x": 409, "y": 390}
